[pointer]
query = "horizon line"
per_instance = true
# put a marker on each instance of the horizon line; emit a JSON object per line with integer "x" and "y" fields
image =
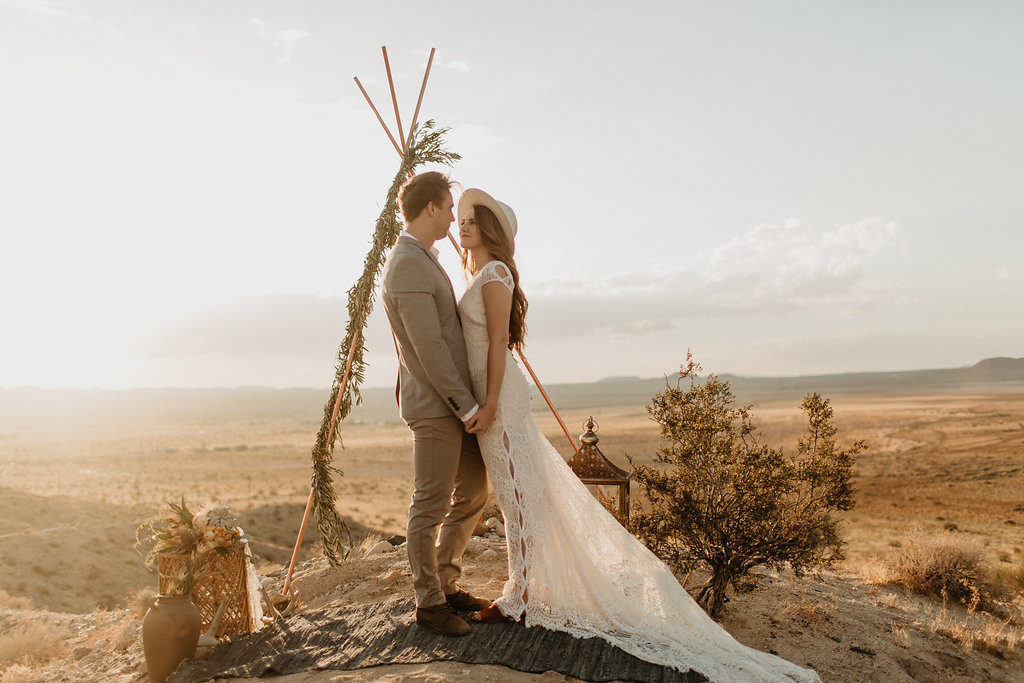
{"x": 610, "y": 378}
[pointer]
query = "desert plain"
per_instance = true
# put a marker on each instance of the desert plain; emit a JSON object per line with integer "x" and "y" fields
{"x": 79, "y": 470}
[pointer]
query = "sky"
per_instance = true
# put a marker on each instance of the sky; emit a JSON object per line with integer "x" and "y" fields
{"x": 188, "y": 189}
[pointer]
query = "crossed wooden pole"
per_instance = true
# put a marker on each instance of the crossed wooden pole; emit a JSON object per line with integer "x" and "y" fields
{"x": 400, "y": 148}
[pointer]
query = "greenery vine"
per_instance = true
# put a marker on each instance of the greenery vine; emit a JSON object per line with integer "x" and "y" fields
{"x": 427, "y": 147}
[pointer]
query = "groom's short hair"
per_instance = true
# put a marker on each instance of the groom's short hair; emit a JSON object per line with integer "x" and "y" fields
{"x": 420, "y": 190}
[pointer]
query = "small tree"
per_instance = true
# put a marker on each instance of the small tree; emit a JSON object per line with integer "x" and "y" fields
{"x": 729, "y": 503}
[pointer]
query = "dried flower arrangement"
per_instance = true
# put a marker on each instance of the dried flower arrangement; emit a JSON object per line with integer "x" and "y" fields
{"x": 213, "y": 529}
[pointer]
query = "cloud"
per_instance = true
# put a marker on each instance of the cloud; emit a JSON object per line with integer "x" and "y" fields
{"x": 285, "y": 40}
{"x": 458, "y": 65}
{"x": 770, "y": 270}
{"x": 794, "y": 265}
{"x": 262, "y": 27}
{"x": 1003, "y": 273}
{"x": 57, "y": 9}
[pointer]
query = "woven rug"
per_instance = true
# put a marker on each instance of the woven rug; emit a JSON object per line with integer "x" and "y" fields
{"x": 361, "y": 636}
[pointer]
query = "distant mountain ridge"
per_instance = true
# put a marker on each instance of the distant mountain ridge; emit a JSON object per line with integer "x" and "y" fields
{"x": 627, "y": 391}
{"x": 998, "y": 374}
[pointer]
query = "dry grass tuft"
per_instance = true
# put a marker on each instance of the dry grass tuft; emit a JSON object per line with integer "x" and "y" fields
{"x": 940, "y": 564}
{"x": 876, "y": 573}
{"x": 19, "y": 673}
{"x": 900, "y": 634}
{"x": 979, "y": 632}
{"x": 368, "y": 540}
{"x": 140, "y": 601}
{"x": 892, "y": 601}
{"x": 32, "y": 642}
{"x": 807, "y": 612}
{"x": 15, "y": 602}
{"x": 1012, "y": 578}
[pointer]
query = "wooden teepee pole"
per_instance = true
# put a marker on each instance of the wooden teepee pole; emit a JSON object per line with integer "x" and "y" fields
{"x": 394, "y": 99}
{"x": 423, "y": 87}
{"x": 330, "y": 438}
{"x": 415, "y": 114}
{"x": 554, "y": 412}
{"x": 377, "y": 113}
{"x": 572, "y": 441}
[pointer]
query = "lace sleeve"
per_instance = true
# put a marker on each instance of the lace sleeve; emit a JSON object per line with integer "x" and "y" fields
{"x": 496, "y": 271}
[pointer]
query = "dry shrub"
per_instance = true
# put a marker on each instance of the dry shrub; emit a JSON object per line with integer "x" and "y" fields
{"x": 980, "y": 632}
{"x": 32, "y": 642}
{"x": 942, "y": 565}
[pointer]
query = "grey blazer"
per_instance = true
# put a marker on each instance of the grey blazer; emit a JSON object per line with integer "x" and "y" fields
{"x": 433, "y": 374}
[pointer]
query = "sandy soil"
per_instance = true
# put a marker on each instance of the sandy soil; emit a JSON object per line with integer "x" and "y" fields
{"x": 73, "y": 489}
{"x": 837, "y": 624}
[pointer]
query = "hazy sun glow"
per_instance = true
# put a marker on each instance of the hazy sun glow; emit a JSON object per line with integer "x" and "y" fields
{"x": 188, "y": 196}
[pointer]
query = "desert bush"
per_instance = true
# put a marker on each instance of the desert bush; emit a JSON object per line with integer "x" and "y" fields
{"x": 728, "y": 503}
{"x": 940, "y": 564}
{"x": 32, "y": 642}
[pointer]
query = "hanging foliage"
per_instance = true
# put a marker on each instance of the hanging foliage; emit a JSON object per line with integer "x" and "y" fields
{"x": 427, "y": 147}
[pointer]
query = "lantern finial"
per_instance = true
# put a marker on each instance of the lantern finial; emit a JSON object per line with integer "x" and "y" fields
{"x": 589, "y": 438}
{"x": 592, "y": 467}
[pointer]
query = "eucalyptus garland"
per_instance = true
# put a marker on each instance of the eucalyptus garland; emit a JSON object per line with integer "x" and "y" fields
{"x": 427, "y": 147}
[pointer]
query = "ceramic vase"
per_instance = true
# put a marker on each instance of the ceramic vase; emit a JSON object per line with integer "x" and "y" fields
{"x": 170, "y": 632}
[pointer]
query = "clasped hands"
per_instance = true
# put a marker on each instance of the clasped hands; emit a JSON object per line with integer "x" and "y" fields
{"x": 481, "y": 419}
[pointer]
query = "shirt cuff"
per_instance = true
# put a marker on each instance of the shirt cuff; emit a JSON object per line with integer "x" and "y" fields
{"x": 471, "y": 413}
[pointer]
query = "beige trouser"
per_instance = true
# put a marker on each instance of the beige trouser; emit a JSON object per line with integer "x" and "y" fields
{"x": 450, "y": 490}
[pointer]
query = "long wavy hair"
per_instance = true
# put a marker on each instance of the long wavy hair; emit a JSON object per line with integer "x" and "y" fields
{"x": 497, "y": 243}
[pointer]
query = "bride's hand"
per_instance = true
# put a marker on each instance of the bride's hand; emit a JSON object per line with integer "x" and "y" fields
{"x": 482, "y": 419}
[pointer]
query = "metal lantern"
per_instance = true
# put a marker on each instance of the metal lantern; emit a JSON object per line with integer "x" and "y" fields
{"x": 592, "y": 467}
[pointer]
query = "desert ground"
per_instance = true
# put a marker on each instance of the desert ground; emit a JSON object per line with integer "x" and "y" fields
{"x": 78, "y": 472}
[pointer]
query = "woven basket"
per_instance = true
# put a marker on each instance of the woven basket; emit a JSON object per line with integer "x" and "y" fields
{"x": 221, "y": 576}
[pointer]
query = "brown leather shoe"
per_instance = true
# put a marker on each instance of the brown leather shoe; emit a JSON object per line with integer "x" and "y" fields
{"x": 462, "y": 600}
{"x": 441, "y": 619}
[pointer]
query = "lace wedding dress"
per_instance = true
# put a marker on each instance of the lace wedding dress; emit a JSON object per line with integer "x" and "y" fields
{"x": 572, "y": 567}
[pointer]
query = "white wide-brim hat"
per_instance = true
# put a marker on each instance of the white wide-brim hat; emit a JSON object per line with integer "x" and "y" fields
{"x": 506, "y": 216}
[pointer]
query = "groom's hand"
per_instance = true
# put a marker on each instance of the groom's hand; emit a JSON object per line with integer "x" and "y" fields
{"x": 470, "y": 424}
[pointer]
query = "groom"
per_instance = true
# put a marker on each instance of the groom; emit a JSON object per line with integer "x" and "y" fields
{"x": 436, "y": 401}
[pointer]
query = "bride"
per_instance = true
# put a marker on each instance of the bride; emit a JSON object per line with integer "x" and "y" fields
{"x": 572, "y": 567}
